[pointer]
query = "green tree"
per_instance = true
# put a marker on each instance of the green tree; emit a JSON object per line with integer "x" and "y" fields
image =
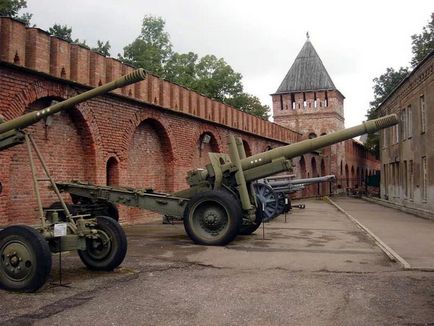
{"x": 11, "y": 8}
{"x": 250, "y": 104}
{"x": 181, "y": 69}
{"x": 217, "y": 79}
{"x": 423, "y": 43}
{"x": 61, "y": 31}
{"x": 383, "y": 86}
{"x": 102, "y": 48}
{"x": 151, "y": 49}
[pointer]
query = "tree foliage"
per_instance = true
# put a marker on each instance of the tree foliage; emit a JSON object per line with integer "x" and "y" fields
{"x": 208, "y": 75}
{"x": 61, "y": 31}
{"x": 422, "y": 43}
{"x": 102, "y": 48}
{"x": 152, "y": 48}
{"x": 11, "y": 8}
{"x": 250, "y": 104}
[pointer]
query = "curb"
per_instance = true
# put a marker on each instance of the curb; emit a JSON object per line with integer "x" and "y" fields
{"x": 393, "y": 256}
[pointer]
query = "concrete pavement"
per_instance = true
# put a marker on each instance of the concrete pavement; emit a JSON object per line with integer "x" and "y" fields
{"x": 318, "y": 268}
{"x": 409, "y": 236}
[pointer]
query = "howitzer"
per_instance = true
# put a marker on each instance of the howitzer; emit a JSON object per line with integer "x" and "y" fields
{"x": 221, "y": 202}
{"x": 289, "y": 186}
{"x": 10, "y": 133}
{"x": 275, "y": 190}
{"x": 25, "y": 252}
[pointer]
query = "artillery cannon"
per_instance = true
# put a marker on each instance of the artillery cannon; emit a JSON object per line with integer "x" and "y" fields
{"x": 25, "y": 252}
{"x": 220, "y": 202}
{"x": 275, "y": 192}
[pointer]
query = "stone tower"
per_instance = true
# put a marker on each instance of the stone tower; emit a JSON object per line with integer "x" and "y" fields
{"x": 307, "y": 100}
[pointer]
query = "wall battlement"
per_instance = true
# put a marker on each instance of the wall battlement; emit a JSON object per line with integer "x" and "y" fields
{"x": 35, "y": 49}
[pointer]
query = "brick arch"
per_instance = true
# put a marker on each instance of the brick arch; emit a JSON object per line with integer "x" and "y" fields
{"x": 199, "y": 157}
{"x": 34, "y": 92}
{"x": 247, "y": 148}
{"x": 68, "y": 148}
{"x": 39, "y": 90}
{"x": 214, "y": 132}
{"x": 166, "y": 133}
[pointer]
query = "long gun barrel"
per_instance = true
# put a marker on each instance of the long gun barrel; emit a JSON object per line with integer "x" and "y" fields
{"x": 310, "y": 145}
{"x": 33, "y": 117}
{"x": 306, "y": 181}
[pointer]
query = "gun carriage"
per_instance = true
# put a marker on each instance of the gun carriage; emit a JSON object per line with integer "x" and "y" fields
{"x": 221, "y": 201}
{"x": 25, "y": 252}
{"x": 219, "y": 204}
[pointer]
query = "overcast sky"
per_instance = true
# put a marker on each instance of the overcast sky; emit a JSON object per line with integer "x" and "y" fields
{"x": 356, "y": 40}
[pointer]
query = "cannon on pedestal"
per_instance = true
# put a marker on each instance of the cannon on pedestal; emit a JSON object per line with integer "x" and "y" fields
{"x": 25, "y": 252}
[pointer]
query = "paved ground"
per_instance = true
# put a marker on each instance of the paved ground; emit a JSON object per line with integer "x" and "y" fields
{"x": 410, "y": 236}
{"x": 316, "y": 269}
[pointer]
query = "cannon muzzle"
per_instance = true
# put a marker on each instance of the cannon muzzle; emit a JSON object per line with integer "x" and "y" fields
{"x": 33, "y": 117}
{"x": 310, "y": 145}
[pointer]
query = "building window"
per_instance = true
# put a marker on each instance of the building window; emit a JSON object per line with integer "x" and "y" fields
{"x": 404, "y": 123}
{"x": 422, "y": 114}
{"x": 385, "y": 132}
{"x": 312, "y": 135}
{"x": 386, "y": 179}
{"x": 424, "y": 179}
{"x": 405, "y": 177}
{"x": 411, "y": 173}
{"x": 409, "y": 122}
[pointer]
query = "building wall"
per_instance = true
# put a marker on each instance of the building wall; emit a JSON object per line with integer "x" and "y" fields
{"x": 407, "y": 154}
{"x": 144, "y": 135}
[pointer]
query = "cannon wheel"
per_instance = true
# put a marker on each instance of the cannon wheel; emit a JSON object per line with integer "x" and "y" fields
{"x": 108, "y": 249}
{"x": 213, "y": 218}
{"x": 268, "y": 199}
{"x": 25, "y": 259}
{"x": 249, "y": 229}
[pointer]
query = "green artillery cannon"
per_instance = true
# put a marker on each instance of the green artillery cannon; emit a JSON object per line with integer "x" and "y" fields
{"x": 221, "y": 201}
{"x": 274, "y": 192}
{"x": 25, "y": 252}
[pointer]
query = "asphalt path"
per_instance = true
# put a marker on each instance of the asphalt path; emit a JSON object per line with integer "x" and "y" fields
{"x": 317, "y": 268}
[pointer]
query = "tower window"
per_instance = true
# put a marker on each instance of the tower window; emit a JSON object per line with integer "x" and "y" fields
{"x": 326, "y": 101}
{"x": 293, "y": 101}
{"x": 281, "y": 102}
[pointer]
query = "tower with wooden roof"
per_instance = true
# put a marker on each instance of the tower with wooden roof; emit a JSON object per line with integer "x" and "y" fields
{"x": 307, "y": 100}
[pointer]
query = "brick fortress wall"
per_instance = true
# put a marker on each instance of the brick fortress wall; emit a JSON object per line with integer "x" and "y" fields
{"x": 145, "y": 135}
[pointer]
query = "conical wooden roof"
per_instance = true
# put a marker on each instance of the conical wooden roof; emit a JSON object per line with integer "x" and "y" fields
{"x": 307, "y": 73}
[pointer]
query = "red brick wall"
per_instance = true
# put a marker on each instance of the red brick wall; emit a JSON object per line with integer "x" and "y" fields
{"x": 154, "y": 147}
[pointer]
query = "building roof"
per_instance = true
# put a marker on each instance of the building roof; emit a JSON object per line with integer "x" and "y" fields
{"x": 307, "y": 73}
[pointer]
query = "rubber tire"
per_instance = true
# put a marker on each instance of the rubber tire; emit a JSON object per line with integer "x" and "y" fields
{"x": 249, "y": 229}
{"x": 233, "y": 210}
{"x": 39, "y": 249}
{"x": 117, "y": 252}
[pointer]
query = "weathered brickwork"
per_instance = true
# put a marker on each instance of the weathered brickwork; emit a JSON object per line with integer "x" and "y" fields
{"x": 406, "y": 151}
{"x": 145, "y": 135}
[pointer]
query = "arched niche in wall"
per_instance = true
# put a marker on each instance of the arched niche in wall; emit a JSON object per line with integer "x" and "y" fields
{"x": 112, "y": 171}
{"x": 149, "y": 155}
{"x": 205, "y": 144}
{"x": 247, "y": 148}
{"x": 314, "y": 167}
{"x": 66, "y": 145}
{"x": 302, "y": 167}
